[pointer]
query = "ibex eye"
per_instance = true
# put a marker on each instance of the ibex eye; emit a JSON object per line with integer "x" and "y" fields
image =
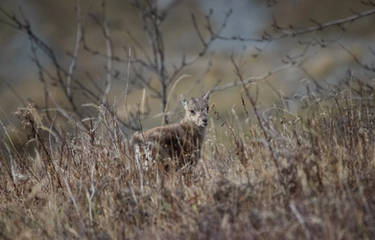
{"x": 192, "y": 112}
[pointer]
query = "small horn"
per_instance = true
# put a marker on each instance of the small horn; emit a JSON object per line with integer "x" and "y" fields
{"x": 207, "y": 95}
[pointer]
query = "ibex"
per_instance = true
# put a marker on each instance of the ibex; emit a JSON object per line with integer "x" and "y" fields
{"x": 176, "y": 144}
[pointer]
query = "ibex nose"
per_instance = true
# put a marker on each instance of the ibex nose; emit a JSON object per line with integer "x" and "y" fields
{"x": 205, "y": 121}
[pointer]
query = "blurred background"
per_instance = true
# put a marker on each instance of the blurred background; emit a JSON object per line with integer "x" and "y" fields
{"x": 127, "y": 51}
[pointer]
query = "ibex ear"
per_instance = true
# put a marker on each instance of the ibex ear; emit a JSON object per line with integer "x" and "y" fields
{"x": 207, "y": 96}
{"x": 183, "y": 101}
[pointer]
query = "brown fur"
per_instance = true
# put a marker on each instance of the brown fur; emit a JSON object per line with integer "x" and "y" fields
{"x": 180, "y": 142}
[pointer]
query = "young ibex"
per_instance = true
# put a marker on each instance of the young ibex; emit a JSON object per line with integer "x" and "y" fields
{"x": 176, "y": 144}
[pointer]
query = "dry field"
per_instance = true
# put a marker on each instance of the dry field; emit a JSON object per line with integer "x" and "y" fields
{"x": 275, "y": 175}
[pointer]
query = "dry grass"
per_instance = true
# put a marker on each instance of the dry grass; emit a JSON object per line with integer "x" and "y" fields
{"x": 311, "y": 177}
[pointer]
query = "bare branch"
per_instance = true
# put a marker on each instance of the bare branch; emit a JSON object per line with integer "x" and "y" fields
{"x": 108, "y": 43}
{"x": 213, "y": 35}
{"x": 300, "y": 219}
{"x": 139, "y": 46}
{"x": 15, "y": 93}
{"x": 290, "y": 32}
{"x": 10, "y": 17}
{"x": 199, "y": 33}
{"x": 77, "y": 45}
{"x": 253, "y": 78}
{"x": 357, "y": 60}
{"x": 25, "y": 27}
{"x": 42, "y": 79}
{"x": 259, "y": 117}
{"x": 290, "y": 61}
{"x": 76, "y": 208}
{"x": 146, "y": 84}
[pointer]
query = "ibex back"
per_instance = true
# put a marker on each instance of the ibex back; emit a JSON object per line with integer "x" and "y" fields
{"x": 176, "y": 144}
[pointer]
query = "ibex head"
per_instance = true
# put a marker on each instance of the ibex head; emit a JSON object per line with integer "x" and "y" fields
{"x": 196, "y": 110}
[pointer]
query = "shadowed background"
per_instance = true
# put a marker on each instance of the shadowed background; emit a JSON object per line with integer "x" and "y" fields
{"x": 326, "y": 54}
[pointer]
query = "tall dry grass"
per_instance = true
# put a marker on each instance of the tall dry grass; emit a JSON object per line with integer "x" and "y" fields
{"x": 309, "y": 175}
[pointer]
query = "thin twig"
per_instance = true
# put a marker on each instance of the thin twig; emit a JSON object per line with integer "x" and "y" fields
{"x": 25, "y": 27}
{"x": 252, "y": 79}
{"x": 259, "y": 119}
{"x": 76, "y": 208}
{"x": 89, "y": 195}
{"x": 108, "y": 43}
{"x": 77, "y": 46}
{"x": 357, "y": 60}
{"x": 300, "y": 219}
{"x": 286, "y": 33}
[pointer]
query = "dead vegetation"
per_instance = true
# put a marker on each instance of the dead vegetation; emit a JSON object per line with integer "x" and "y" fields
{"x": 274, "y": 175}
{"x": 84, "y": 185}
